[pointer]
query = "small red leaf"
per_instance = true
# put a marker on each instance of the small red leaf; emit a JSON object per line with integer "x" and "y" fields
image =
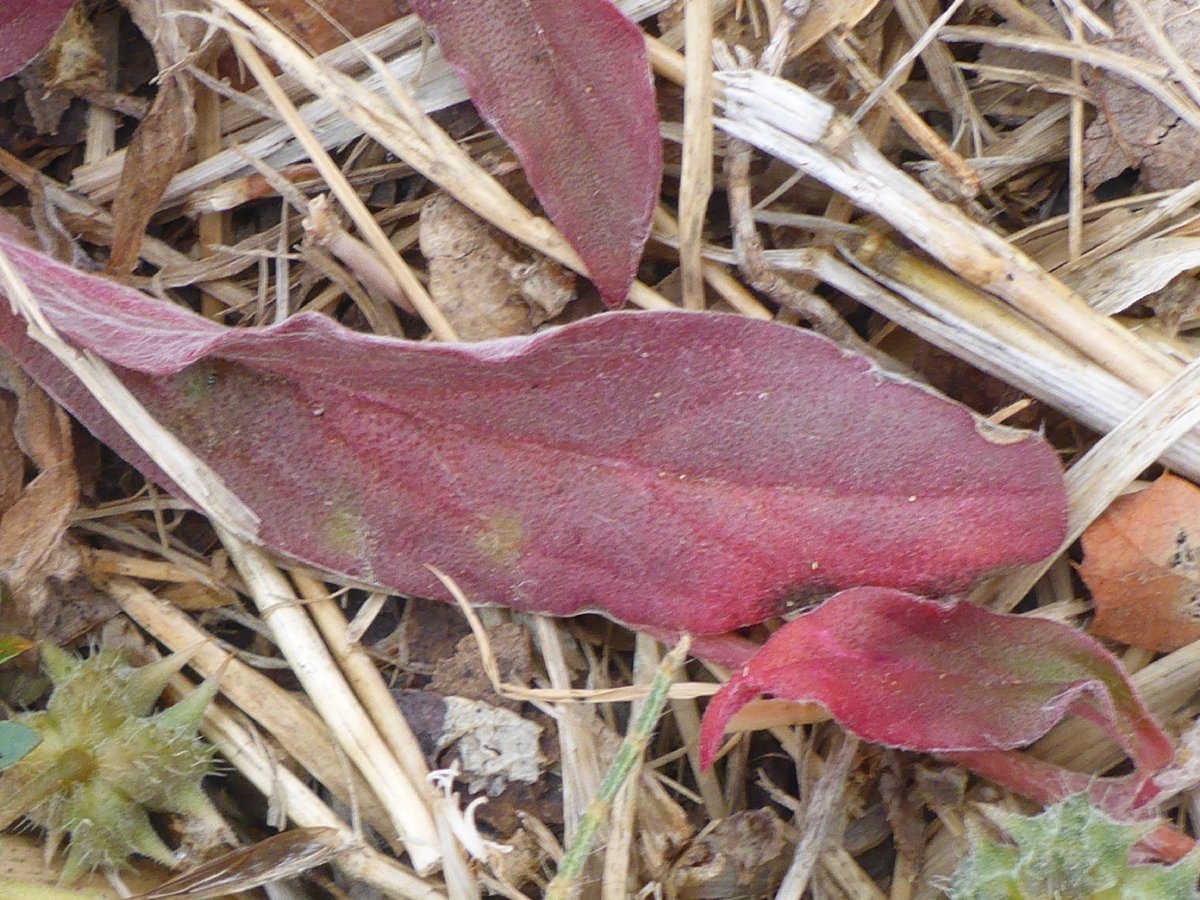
{"x": 907, "y": 672}
{"x": 679, "y": 471}
{"x": 26, "y": 28}
{"x": 568, "y": 86}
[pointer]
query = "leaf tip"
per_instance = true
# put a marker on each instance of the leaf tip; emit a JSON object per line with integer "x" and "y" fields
{"x": 732, "y": 696}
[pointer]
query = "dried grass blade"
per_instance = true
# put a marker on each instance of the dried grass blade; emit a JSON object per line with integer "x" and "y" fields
{"x": 408, "y": 804}
{"x": 246, "y": 752}
{"x": 296, "y": 728}
{"x": 695, "y": 183}
{"x": 792, "y": 124}
{"x": 349, "y": 198}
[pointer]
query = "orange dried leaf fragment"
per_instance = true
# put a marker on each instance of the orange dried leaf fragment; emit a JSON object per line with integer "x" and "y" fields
{"x": 1142, "y": 565}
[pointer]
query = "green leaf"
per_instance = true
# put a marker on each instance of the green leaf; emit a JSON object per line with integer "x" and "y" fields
{"x": 16, "y": 740}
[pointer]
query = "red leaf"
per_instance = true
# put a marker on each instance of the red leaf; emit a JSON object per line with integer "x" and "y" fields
{"x": 675, "y": 470}
{"x": 568, "y": 86}
{"x": 914, "y": 673}
{"x": 1126, "y": 797}
{"x": 26, "y": 28}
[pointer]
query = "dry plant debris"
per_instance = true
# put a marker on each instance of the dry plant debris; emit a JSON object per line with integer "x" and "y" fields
{"x": 1132, "y": 133}
{"x": 1142, "y": 566}
{"x": 486, "y": 288}
{"x": 1005, "y": 183}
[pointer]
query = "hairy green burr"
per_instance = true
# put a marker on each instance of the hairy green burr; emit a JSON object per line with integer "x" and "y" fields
{"x": 106, "y": 760}
{"x": 1071, "y": 850}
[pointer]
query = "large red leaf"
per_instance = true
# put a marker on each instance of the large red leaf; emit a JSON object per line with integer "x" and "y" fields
{"x": 915, "y": 673}
{"x": 678, "y": 471}
{"x": 568, "y": 86}
{"x": 26, "y": 27}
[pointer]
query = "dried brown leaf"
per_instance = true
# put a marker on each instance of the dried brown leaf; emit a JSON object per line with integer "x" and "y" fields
{"x": 155, "y": 154}
{"x": 323, "y": 26}
{"x": 12, "y": 461}
{"x": 744, "y": 855}
{"x": 462, "y": 674}
{"x": 32, "y": 528}
{"x": 1142, "y": 564}
{"x": 72, "y": 61}
{"x": 1134, "y": 130}
{"x": 488, "y": 286}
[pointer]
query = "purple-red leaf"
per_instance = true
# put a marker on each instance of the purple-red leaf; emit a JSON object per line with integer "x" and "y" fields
{"x": 568, "y": 86}
{"x": 915, "y": 673}
{"x": 26, "y": 28}
{"x": 679, "y": 471}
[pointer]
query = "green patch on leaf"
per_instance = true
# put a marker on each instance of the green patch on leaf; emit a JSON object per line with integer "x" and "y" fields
{"x": 502, "y": 538}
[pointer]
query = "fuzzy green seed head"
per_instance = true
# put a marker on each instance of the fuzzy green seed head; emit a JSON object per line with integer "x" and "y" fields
{"x": 106, "y": 760}
{"x": 1072, "y": 851}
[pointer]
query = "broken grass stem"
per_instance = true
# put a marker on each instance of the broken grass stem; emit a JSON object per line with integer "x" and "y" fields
{"x": 408, "y": 804}
{"x": 975, "y": 326}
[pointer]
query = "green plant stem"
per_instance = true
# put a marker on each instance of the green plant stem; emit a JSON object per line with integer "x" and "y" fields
{"x": 624, "y": 765}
